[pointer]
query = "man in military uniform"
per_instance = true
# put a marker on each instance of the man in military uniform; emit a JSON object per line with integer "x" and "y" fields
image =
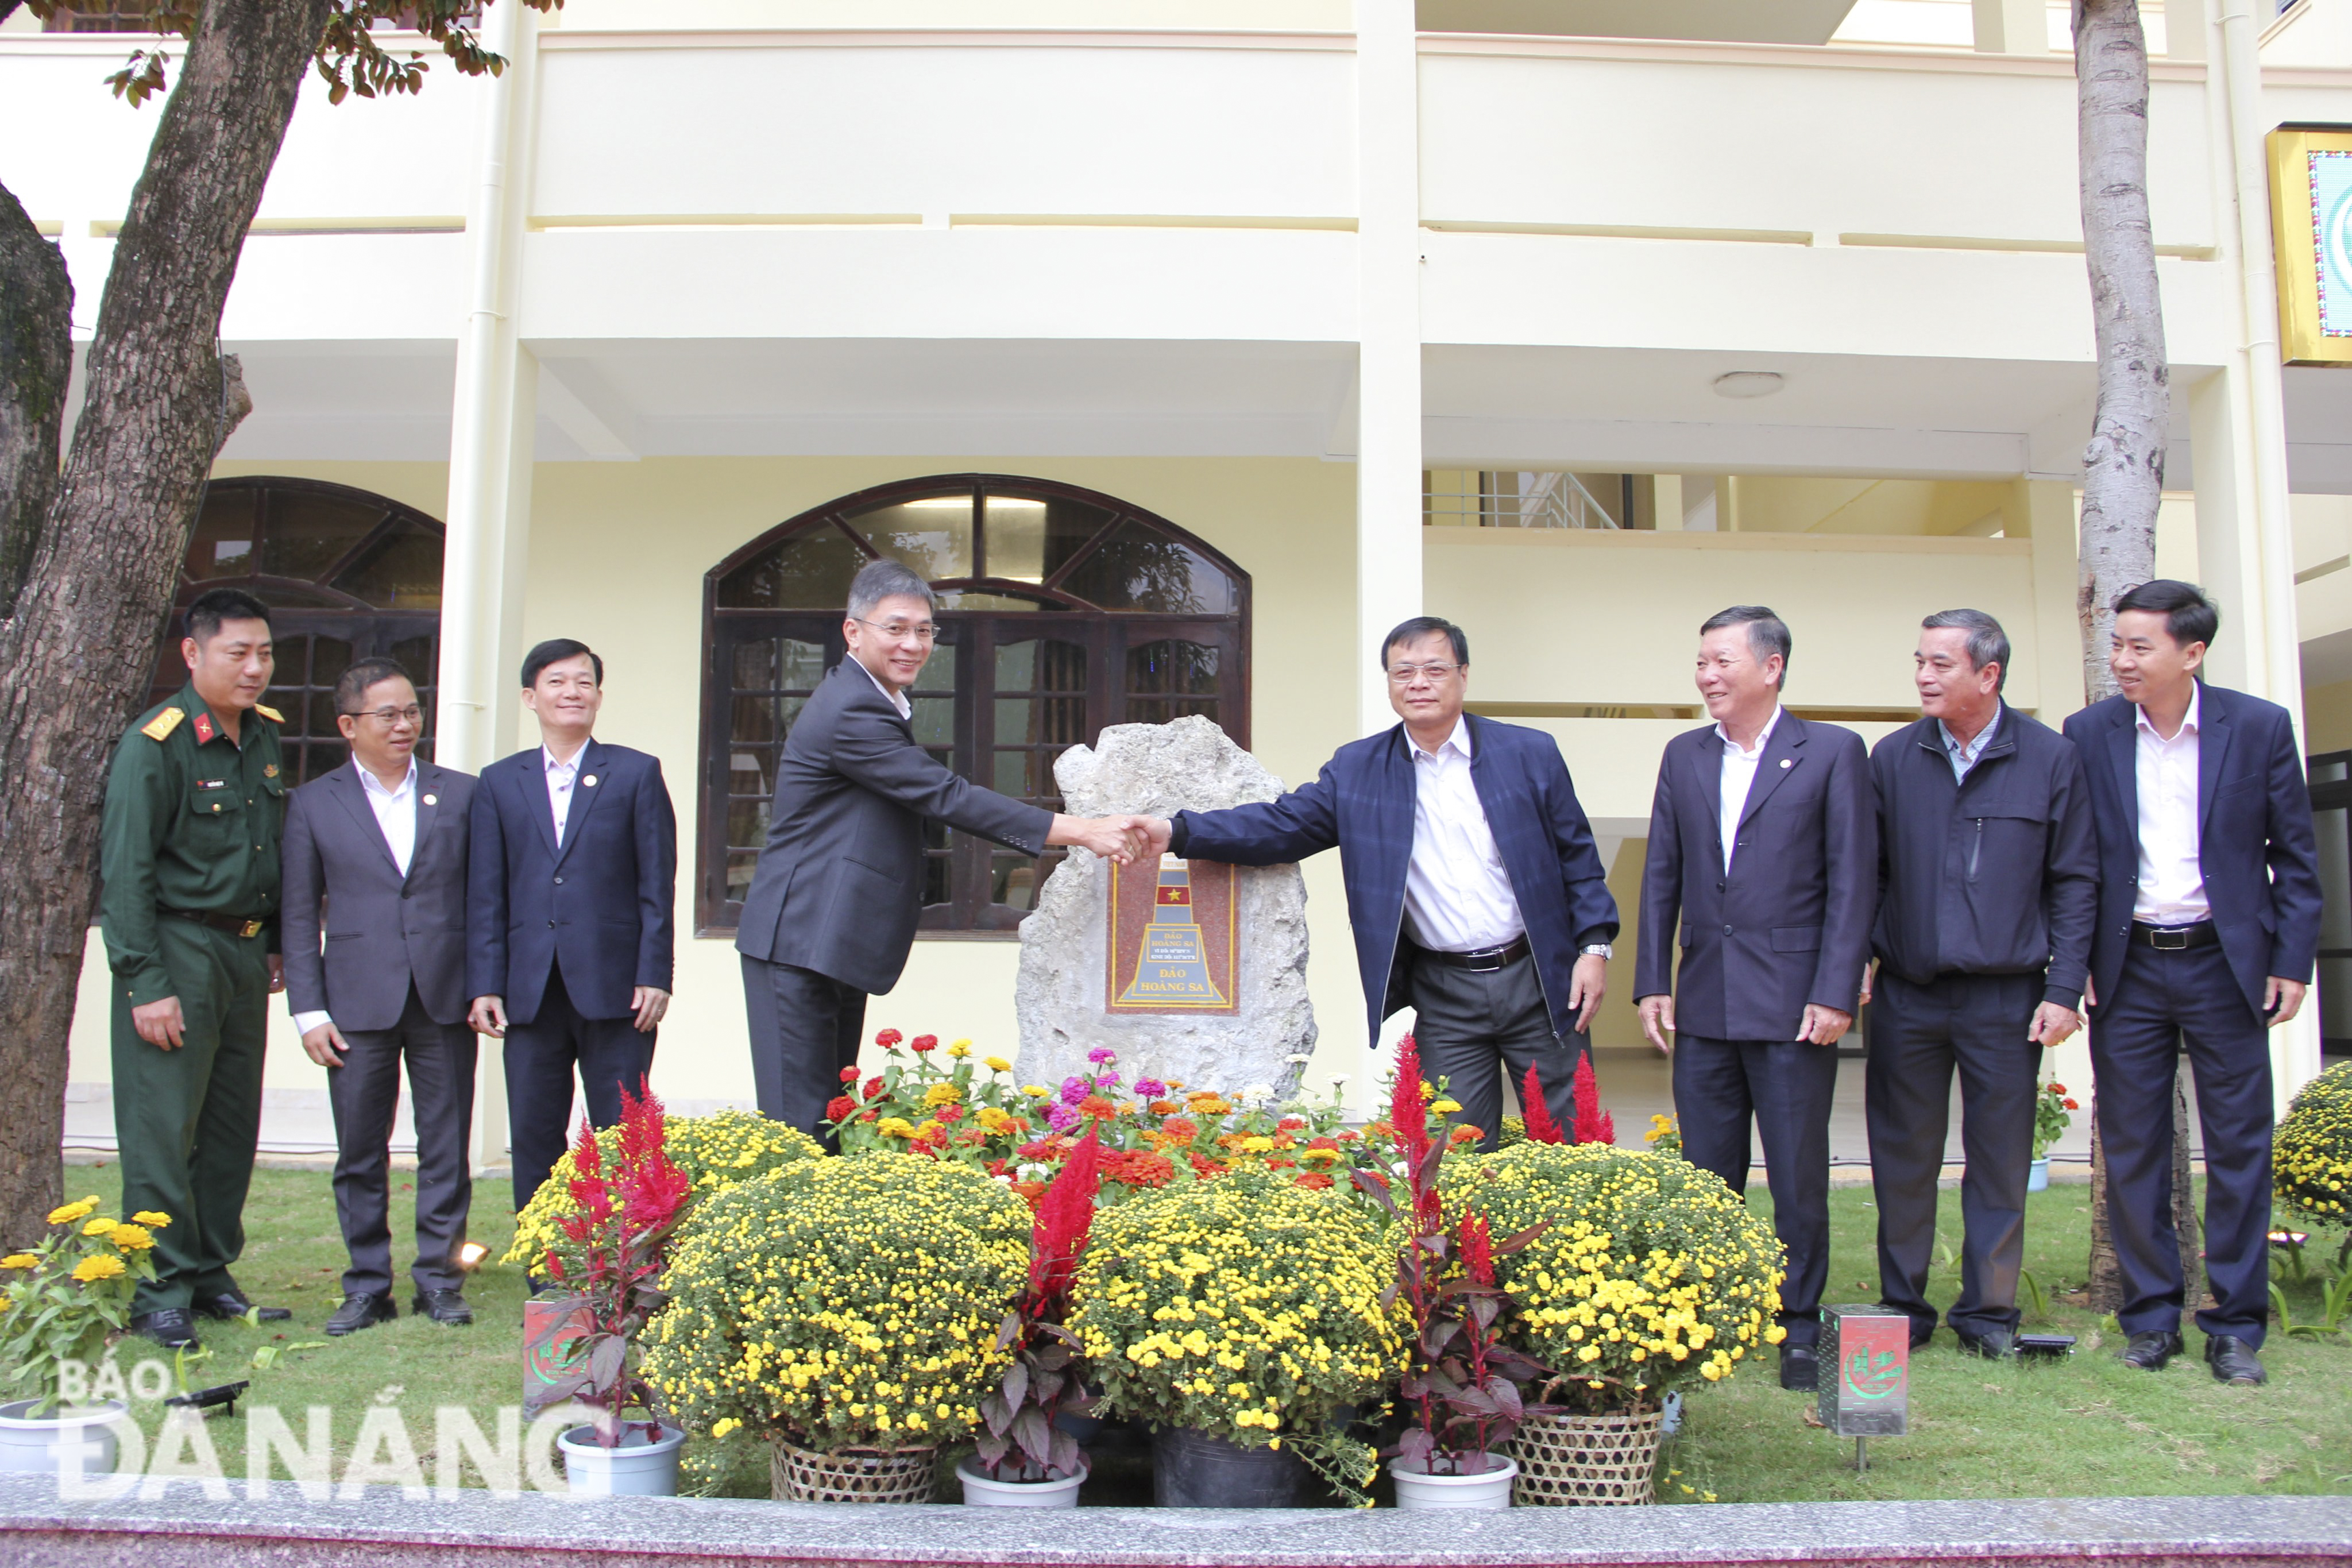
{"x": 189, "y": 855}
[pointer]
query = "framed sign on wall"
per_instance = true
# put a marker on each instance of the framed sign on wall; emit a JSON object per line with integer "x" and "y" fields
{"x": 2311, "y": 225}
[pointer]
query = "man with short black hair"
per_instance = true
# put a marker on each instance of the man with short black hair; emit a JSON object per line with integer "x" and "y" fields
{"x": 375, "y": 973}
{"x": 570, "y": 937}
{"x": 188, "y": 855}
{"x": 830, "y": 915}
{"x": 2207, "y": 930}
{"x": 1988, "y": 888}
{"x": 1475, "y": 887}
{"x": 1764, "y": 853}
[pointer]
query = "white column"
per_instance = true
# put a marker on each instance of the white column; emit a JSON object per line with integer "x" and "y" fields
{"x": 2244, "y": 533}
{"x": 489, "y": 466}
{"x": 1388, "y": 294}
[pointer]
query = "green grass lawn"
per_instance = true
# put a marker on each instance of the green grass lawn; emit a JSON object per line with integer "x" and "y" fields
{"x": 2079, "y": 1427}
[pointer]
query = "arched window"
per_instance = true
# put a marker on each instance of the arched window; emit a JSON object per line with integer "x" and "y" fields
{"x": 1061, "y": 611}
{"x": 347, "y": 575}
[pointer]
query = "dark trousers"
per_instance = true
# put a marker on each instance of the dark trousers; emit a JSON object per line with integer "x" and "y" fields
{"x": 804, "y": 1031}
{"x": 1919, "y": 1036}
{"x": 2163, "y": 1001}
{"x": 187, "y": 1120}
{"x": 1472, "y": 1026}
{"x": 610, "y": 1055}
{"x": 1785, "y": 1087}
{"x": 364, "y": 1092}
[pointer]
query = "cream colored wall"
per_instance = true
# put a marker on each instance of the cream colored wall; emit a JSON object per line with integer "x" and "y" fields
{"x": 2327, "y": 717}
{"x": 1775, "y": 504}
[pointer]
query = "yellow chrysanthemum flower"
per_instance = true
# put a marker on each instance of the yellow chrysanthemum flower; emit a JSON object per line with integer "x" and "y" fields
{"x": 960, "y": 1049}
{"x": 93, "y": 1269}
{"x": 997, "y": 1064}
{"x": 132, "y": 1237}
{"x": 19, "y": 1260}
{"x": 99, "y": 1226}
{"x": 69, "y": 1213}
{"x": 152, "y": 1219}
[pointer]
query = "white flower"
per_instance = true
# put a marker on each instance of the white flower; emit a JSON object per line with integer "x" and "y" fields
{"x": 1400, "y": 1167}
{"x": 1036, "y": 1172}
{"x": 1255, "y": 1094}
{"x": 1003, "y": 1181}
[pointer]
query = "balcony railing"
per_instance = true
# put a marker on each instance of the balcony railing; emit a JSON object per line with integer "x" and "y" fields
{"x": 1473, "y": 497}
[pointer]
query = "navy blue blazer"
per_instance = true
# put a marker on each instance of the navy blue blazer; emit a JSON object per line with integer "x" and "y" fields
{"x": 1362, "y": 802}
{"x": 2254, "y": 841}
{"x": 602, "y": 902}
{"x": 1789, "y": 925}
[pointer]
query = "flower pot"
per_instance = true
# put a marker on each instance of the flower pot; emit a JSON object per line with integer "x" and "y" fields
{"x": 1197, "y": 1470}
{"x": 1569, "y": 1460}
{"x": 1491, "y": 1488}
{"x": 638, "y": 1466}
{"x": 45, "y": 1445}
{"x": 2037, "y": 1175}
{"x": 853, "y": 1475}
{"x": 981, "y": 1490}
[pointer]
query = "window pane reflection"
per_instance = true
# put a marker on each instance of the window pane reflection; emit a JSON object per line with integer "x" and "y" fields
{"x": 309, "y": 532}
{"x": 810, "y": 570}
{"x": 933, "y": 535}
{"x": 1139, "y": 568}
{"x": 1029, "y": 539}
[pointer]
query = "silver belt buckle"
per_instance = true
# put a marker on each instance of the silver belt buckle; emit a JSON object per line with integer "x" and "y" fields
{"x": 1484, "y": 962}
{"x": 2179, "y": 941}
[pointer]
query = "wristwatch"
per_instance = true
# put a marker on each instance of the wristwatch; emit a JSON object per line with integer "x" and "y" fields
{"x": 1597, "y": 950}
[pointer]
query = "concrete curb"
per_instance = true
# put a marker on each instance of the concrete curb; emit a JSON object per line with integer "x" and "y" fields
{"x": 280, "y": 1527}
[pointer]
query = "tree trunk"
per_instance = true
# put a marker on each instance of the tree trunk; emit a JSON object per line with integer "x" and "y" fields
{"x": 2122, "y": 466}
{"x": 35, "y": 362}
{"x": 159, "y": 400}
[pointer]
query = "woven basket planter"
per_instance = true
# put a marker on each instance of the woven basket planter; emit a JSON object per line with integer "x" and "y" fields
{"x": 1570, "y": 1461}
{"x": 853, "y": 1475}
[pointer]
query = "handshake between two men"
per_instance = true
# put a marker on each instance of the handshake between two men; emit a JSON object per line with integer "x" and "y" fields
{"x": 1124, "y": 840}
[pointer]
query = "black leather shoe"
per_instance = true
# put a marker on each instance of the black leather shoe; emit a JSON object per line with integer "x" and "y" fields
{"x": 2150, "y": 1351}
{"x": 361, "y": 1309}
{"x": 170, "y": 1327}
{"x": 2233, "y": 1361}
{"x": 1993, "y": 1344}
{"x": 232, "y": 1304}
{"x": 1800, "y": 1367}
{"x": 442, "y": 1307}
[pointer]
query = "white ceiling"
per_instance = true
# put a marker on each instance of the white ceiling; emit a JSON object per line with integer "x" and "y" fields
{"x": 1727, "y": 21}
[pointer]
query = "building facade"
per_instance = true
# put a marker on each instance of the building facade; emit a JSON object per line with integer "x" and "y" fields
{"x": 1189, "y": 344}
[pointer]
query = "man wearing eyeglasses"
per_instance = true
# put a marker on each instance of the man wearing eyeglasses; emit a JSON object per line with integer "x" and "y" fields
{"x": 1476, "y": 892}
{"x": 376, "y": 855}
{"x": 830, "y": 915}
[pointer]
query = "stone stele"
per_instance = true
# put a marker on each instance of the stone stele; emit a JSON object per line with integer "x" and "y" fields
{"x": 1158, "y": 770}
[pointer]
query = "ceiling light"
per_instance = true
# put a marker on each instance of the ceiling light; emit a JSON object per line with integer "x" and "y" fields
{"x": 1750, "y": 384}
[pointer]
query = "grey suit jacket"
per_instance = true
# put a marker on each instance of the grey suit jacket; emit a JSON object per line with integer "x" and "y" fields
{"x": 382, "y": 930}
{"x": 840, "y": 883}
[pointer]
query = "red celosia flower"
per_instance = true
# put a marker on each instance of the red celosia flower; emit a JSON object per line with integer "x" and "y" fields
{"x": 1477, "y": 1249}
{"x": 839, "y": 1106}
{"x": 889, "y": 1038}
{"x": 849, "y": 1075}
{"x": 924, "y": 1043}
{"x": 1065, "y": 1216}
{"x": 1541, "y": 1128}
{"x": 1593, "y": 1125}
{"x": 1407, "y": 1112}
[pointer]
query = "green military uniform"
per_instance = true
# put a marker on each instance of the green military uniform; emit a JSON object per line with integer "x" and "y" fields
{"x": 192, "y": 828}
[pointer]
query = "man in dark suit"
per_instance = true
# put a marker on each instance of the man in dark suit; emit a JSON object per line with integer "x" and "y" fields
{"x": 830, "y": 915}
{"x": 1764, "y": 851}
{"x": 375, "y": 854}
{"x": 1988, "y": 888}
{"x": 1476, "y": 893}
{"x": 569, "y": 938}
{"x": 2208, "y": 928}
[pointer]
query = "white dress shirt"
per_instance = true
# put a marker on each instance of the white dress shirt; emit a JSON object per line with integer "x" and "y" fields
{"x": 897, "y": 699}
{"x": 1457, "y": 896}
{"x": 561, "y": 777}
{"x": 2171, "y": 882}
{"x": 1964, "y": 757}
{"x": 395, "y": 815}
{"x": 1738, "y": 777}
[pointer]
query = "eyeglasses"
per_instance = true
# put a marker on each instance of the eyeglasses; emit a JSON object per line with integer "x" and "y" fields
{"x": 388, "y": 717}
{"x": 1406, "y": 674}
{"x": 899, "y": 631}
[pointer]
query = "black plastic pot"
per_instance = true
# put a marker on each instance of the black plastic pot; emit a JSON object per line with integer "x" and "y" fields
{"x": 1194, "y": 1469}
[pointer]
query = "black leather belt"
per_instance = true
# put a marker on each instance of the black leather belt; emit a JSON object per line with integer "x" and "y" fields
{"x": 235, "y": 925}
{"x": 2175, "y": 939}
{"x": 1485, "y": 963}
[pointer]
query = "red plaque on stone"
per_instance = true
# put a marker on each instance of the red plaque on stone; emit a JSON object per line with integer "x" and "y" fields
{"x": 1172, "y": 939}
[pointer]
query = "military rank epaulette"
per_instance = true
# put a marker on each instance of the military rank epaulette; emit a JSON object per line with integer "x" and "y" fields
{"x": 272, "y": 714}
{"x": 160, "y": 726}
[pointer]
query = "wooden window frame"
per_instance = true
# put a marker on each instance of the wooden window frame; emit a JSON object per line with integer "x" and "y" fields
{"x": 1107, "y": 636}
